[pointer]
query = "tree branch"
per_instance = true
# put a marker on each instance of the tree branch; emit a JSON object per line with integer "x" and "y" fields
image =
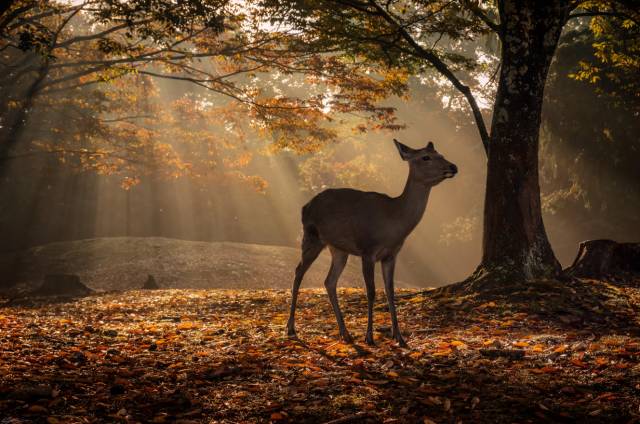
{"x": 441, "y": 67}
{"x": 6, "y": 20}
{"x": 69, "y": 151}
{"x": 480, "y": 14}
{"x": 125, "y": 118}
{"x": 204, "y": 83}
{"x": 81, "y": 38}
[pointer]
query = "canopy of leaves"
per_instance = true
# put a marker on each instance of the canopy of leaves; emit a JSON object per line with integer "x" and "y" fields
{"x": 615, "y": 64}
{"x": 102, "y": 59}
{"x": 591, "y": 125}
{"x": 414, "y": 36}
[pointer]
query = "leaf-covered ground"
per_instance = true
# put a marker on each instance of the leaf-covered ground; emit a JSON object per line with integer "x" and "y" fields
{"x": 221, "y": 356}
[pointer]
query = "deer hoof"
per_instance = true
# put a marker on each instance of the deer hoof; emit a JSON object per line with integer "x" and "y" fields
{"x": 291, "y": 333}
{"x": 401, "y": 342}
{"x": 346, "y": 337}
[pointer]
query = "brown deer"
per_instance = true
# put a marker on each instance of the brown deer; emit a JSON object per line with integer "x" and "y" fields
{"x": 370, "y": 225}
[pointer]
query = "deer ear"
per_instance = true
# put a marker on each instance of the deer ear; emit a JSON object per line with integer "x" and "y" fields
{"x": 406, "y": 152}
{"x": 430, "y": 146}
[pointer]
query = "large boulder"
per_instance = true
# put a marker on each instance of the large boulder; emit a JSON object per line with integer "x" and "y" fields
{"x": 598, "y": 258}
{"x": 122, "y": 263}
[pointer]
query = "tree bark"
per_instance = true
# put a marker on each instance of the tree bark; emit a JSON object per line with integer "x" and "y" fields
{"x": 16, "y": 123}
{"x": 515, "y": 242}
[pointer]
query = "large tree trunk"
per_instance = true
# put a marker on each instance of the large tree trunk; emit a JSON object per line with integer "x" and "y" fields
{"x": 515, "y": 244}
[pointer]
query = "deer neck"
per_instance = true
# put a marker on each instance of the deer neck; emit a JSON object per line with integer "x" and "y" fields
{"x": 412, "y": 203}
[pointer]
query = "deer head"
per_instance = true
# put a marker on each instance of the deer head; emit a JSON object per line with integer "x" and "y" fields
{"x": 426, "y": 165}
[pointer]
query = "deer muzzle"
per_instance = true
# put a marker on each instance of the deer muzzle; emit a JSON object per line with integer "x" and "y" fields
{"x": 451, "y": 172}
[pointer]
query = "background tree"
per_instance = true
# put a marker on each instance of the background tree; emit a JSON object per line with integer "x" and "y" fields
{"x": 422, "y": 35}
{"x": 590, "y": 126}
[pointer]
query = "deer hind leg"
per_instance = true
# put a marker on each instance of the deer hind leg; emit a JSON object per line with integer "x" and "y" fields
{"x": 388, "y": 268}
{"x": 311, "y": 248}
{"x": 368, "y": 268}
{"x": 338, "y": 262}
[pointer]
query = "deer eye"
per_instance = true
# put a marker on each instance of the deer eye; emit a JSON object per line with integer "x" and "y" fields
{"x": 426, "y": 158}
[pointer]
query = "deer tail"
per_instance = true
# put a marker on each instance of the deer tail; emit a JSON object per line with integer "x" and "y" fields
{"x": 310, "y": 230}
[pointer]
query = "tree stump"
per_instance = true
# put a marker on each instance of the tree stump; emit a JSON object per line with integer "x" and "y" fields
{"x": 597, "y": 258}
{"x": 150, "y": 284}
{"x": 61, "y": 285}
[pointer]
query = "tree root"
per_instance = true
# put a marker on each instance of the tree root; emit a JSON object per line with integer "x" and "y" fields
{"x": 571, "y": 302}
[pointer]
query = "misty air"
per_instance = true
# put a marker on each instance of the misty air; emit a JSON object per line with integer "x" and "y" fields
{"x": 328, "y": 212}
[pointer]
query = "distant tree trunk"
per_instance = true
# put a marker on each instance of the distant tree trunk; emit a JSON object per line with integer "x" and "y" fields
{"x": 515, "y": 243}
{"x": 17, "y": 122}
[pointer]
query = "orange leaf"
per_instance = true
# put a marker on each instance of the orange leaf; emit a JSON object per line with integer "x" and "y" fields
{"x": 187, "y": 325}
{"x": 545, "y": 370}
{"x": 578, "y": 363}
{"x": 606, "y": 396}
{"x": 378, "y": 382}
{"x": 560, "y": 349}
{"x": 602, "y": 361}
{"x": 322, "y": 382}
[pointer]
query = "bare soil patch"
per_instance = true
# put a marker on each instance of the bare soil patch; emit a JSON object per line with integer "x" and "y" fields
{"x": 124, "y": 263}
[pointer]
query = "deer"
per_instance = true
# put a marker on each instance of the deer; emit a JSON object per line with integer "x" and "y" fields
{"x": 371, "y": 225}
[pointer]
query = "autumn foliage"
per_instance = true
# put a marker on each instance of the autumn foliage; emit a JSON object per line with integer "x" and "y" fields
{"x": 221, "y": 356}
{"x": 174, "y": 90}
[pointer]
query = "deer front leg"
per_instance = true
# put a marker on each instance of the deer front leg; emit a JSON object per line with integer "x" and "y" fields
{"x": 388, "y": 268}
{"x": 368, "y": 269}
{"x": 338, "y": 262}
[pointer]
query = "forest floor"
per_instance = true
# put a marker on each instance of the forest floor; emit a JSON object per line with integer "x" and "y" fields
{"x": 220, "y": 356}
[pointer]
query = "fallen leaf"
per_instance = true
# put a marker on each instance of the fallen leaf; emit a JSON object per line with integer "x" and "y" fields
{"x": 37, "y": 409}
{"x": 545, "y": 370}
{"x": 560, "y": 349}
{"x": 277, "y": 416}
